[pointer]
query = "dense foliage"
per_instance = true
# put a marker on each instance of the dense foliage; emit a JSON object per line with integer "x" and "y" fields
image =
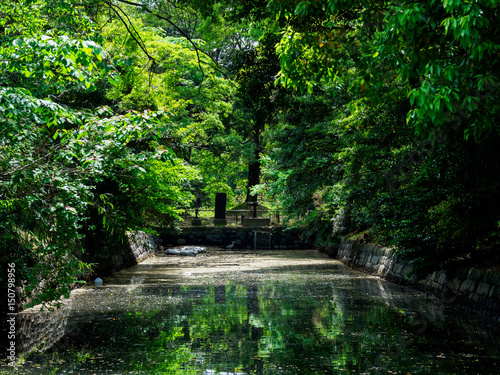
{"x": 375, "y": 117}
{"x": 412, "y": 123}
{"x": 79, "y": 165}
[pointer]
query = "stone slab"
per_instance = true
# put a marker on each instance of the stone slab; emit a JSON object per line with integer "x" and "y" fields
{"x": 220, "y": 222}
{"x": 255, "y": 222}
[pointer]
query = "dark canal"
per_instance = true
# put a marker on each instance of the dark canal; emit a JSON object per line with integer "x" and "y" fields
{"x": 261, "y": 312}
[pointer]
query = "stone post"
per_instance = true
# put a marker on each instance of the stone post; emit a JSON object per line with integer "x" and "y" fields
{"x": 196, "y": 221}
{"x": 220, "y": 209}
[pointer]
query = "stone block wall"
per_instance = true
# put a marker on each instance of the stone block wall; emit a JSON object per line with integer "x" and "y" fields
{"x": 478, "y": 289}
{"x": 40, "y": 330}
{"x": 244, "y": 238}
{"x": 137, "y": 247}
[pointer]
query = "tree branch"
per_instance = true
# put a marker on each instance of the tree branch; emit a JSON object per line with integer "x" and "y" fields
{"x": 136, "y": 37}
{"x": 8, "y": 175}
{"x": 181, "y": 32}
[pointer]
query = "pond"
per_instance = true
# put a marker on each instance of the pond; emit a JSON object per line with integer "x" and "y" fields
{"x": 265, "y": 312}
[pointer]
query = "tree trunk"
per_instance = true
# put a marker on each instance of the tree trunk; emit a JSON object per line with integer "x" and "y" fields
{"x": 253, "y": 179}
{"x": 254, "y": 165}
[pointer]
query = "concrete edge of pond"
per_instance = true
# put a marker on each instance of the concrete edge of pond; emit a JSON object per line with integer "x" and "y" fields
{"x": 475, "y": 289}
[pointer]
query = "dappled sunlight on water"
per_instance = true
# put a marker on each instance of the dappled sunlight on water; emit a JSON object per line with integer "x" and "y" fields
{"x": 256, "y": 313}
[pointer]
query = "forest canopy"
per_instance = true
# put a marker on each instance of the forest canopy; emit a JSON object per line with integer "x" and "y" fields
{"x": 349, "y": 117}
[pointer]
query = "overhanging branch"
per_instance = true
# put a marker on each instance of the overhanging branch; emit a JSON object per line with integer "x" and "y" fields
{"x": 130, "y": 29}
{"x": 196, "y": 48}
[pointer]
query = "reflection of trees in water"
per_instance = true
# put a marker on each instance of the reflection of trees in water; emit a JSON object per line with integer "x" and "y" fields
{"x": 219, "y": 327}
{"x": 303, "y": 328}
{"x": 299, "y": 323}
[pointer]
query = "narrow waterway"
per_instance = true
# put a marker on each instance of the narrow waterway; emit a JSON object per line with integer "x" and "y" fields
{"x": 265, "y": 312}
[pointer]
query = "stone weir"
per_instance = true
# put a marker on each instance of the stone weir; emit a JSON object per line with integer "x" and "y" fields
{"x": 274, "y": 238}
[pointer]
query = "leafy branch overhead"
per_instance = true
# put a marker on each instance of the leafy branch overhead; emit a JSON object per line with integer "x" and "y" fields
{"x": 164, "y": 17}
{"x": 72, "y": 168}
{"x": 445, "y": 53}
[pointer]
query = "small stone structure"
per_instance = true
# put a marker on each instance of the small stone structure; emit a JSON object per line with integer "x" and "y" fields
{"x": 196, "y": 221}
{"x": 245, "y": 238}
{"x": 254, "y": 221}
{"x": 478, "y": 289}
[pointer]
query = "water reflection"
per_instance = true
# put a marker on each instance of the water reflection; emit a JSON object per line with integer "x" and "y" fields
{"x": 299, "y": 315}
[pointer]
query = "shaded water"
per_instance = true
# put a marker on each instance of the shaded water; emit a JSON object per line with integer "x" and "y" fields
{"x": 254, "y": 313}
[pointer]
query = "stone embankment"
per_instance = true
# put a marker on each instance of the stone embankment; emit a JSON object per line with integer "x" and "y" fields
{"x": 274, "y": 238}
{"x": 137, "y": 247}
{"x": 475, "y": 288}
{"x": 40, "y": 330}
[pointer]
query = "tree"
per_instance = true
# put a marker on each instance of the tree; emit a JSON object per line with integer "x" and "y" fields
{"x": 71, "y": 168}
{"x": 42, "y": 199}
{"x": 445, "y": 53}
{"x": 177, "y": 77}
{"x": 433, "y": 62}
{"x": 256, "y": 100}
{"x": 345, "y": 167}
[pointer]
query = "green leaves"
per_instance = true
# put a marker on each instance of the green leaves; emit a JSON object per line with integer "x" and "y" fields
{"x": 49, "y": 65}
{"x": 62, "y": 150}
{"x": 51, "y": 178}
{"x": 438, "y": 50}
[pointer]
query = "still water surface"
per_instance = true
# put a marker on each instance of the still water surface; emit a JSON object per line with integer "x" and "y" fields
{"x": 261, "y": 312}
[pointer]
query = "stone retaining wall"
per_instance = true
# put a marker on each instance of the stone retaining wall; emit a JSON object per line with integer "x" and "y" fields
{"x": 40, "y": 330}
{"x": 137, "y": 247}
{"x": 472, "y": 287}
{"x": 244, "y": 238}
